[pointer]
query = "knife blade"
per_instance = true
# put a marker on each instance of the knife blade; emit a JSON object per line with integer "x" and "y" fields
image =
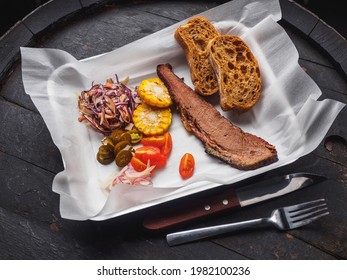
{"x": 230, "y": 199}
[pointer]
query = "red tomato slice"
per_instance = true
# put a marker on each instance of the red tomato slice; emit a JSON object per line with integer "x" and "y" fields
{"x": 146, "y": 152}
{"x": 187, "y": 165}
{"x": 137, "y": 164}
{"x": 163, "y": 142}
{"x": 156, "y": 141}
{"x": 167, "y": 147}
{"x": 151, "y": 154}
{"x": 160, "y": 161}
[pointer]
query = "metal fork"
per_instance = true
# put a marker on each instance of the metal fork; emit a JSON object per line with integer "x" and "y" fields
{"x": 285, "y": 218}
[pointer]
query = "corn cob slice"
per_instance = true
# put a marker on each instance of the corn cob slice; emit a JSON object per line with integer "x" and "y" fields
{"x": 150, "y": 120}
{"x": 154, "y": 92}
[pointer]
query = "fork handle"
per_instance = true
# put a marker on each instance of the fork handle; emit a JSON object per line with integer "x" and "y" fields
{"x": 181, "y": 237}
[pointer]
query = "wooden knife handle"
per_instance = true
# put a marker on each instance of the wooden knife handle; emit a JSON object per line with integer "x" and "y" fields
{"x": 191, "y": 209}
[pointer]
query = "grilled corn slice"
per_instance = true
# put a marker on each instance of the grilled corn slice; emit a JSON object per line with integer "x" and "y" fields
{"x": 150, "y": 120}
{"x": 154, "y": 92}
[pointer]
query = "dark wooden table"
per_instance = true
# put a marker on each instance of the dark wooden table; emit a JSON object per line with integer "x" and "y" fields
{"x": 30, "y": 223}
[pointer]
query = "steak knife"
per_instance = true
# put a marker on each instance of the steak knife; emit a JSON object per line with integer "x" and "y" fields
{"x": 230, "y": 199}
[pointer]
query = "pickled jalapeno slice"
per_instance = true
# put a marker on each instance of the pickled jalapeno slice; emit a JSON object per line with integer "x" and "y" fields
{"x": 123, "y": 158}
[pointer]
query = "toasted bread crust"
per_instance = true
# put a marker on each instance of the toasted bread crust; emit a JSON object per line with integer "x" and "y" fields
{"x": 237, "y": 73}
{"x": 194, "y": 38}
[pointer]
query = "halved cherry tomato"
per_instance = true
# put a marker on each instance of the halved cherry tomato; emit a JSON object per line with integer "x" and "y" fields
{"x": 137, "y": 164}
{"x": 167, "y": 148}
{"x": 187, "y": 165}
{"x": 156, "y": 141}
{"x": 151, "y": 154}
{"x": 160, "y": 161}
{"x": 163, "y": 142}
{"x": 147, "y": 152}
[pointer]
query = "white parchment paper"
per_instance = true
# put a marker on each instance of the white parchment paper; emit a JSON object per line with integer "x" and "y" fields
{"x": 288, "y": 114}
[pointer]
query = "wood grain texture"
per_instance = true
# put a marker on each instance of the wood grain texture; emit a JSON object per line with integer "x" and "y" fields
{"x": 10, "y": 42}
{"x": 200, "y": 207}
{"x": 29, "y": 139}
{"x": 333, "y": 43}
{"x": 300, "y": 18}
{"x": 30, "y": 224}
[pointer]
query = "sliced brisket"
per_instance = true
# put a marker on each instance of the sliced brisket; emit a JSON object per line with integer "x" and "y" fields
{"x": 221, "y": 138}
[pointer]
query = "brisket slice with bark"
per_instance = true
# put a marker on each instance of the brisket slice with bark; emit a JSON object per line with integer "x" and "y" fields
{"x": 221, "y": 138}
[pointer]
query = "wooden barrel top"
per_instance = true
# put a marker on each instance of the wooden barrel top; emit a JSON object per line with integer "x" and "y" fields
{"x": 30, "y": 223}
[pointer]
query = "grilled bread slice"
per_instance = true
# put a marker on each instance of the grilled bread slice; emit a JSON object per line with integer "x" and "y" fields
{"x": 237, "y": 73}
{"x": 194, "y": 38}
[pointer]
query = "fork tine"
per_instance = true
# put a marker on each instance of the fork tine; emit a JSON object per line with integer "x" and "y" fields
{"x": 304, "y": 205}
{"x": 308, "y": 210}
{"x": 307, "y": 221}
{"x": 306, "y": 214}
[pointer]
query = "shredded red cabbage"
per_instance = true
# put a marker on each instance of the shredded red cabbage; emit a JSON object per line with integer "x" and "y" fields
{"x": 107, "y": 107}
